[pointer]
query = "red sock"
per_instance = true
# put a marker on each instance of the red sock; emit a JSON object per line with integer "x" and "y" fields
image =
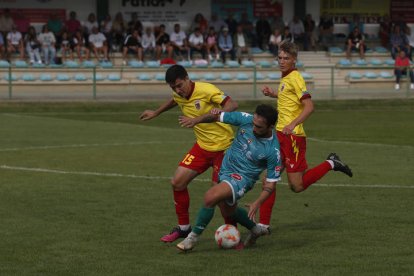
{"x": 182, "y": 203}
{"x": 316, "y": 173}
{"x": 266, "y": 209}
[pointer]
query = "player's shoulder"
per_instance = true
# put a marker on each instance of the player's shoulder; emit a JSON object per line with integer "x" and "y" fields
{"x": 205, "y": 86}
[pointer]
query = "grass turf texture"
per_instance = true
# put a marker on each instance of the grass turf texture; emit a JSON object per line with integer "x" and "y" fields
{"x": 104, "y": 200}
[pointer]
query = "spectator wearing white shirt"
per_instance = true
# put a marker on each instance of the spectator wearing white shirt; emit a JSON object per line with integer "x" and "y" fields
{"x": 47, "y": 40}
{"x": 79, "y": 46}
{"x": 88, "y": 25}
{"x": 241, "y": 44}
{"x": 274, "y": 41}
{"x": 33, "y": 46}
{"x": 178, "y": 40}
{"x": 132, "y": 45}
{"x": 15, "y": 42}
{"x": 196, "y": 42}
{"x": 148, "y": 42}
{"x": 97, "y": 43}
{"x": 297, "y": 29}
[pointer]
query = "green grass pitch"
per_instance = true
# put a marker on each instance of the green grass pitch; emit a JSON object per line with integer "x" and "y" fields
{"x": 84, "y": 190}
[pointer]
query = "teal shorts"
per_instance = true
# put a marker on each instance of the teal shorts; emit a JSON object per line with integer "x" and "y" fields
{"x": 239, "y": 185}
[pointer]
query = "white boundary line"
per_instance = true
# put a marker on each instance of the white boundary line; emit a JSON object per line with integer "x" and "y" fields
{"x": 43, "y": 170}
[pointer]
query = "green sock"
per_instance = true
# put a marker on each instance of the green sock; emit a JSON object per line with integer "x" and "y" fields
{"x": 203, "y": 219}
{"x": 240, "y": 215}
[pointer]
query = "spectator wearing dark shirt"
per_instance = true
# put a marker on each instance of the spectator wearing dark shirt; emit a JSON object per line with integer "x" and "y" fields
{"x": 262, "y": 31}
{"x": 132, "y": 45}
{"x": 398, "y": 41}
{"x": 326, "y": 31}
{"x": 72, "y": 24}
{"x": 355, "y": 42}
{"x": 162, "y": 43}
{"x": 309, "y": 26}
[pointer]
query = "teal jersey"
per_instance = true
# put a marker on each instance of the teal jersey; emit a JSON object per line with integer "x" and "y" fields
{"x": 248, "y": 155}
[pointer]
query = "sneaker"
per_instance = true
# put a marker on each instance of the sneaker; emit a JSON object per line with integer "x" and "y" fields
{"x": 210, "y": 57}
{"x": 176, "y": 233}
{"x": 339, "y": 165}
{"x": 188, "y": 243}
{"x": 255, "y": 233}
{"x": 412, "y": 86}
{"x": 397, "y": 86}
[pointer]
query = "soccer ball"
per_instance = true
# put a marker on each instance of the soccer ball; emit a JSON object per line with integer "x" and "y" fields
{"x": 227, "y": 236}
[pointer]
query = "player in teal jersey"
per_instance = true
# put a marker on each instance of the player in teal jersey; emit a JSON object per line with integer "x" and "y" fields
{"x": 254, "y": 150}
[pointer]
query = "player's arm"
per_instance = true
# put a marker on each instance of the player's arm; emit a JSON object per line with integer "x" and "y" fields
{"x": 150, "y": 114}
{"x": 268, "y": 188}
{"x": 269, "y": 92}
{"x": 307, "y": 111}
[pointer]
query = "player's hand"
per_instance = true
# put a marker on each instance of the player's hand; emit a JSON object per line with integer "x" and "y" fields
{"x": 252, "y": 210}
{"x": 287, "y": 130}
{"x": 186, "y": 121}
{"x": 268, "y": 92}
{"x": 147, "y": 115}
{"x": 216, "y": 111}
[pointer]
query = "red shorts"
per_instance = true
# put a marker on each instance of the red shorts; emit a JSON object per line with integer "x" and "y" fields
{"x": 200, "y": 160}
{"x": 293, "y": 150}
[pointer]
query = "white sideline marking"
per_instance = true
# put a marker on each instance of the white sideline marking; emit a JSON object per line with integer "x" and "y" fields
{"x": 42, "y": 170}
{"x": 90, "y": 145}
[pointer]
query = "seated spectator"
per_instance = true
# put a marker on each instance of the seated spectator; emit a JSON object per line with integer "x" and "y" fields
{"x": 231, "y": 24}
{"x": 225, "y": 44}
{"x": 148, "y": 42}
{"x": 309, "y": 40}
{"x": 106, "y": 29}
{"x": 216, "y": 23}
{"x": 135, "y": 24}
{"x": 72, "y": 24}
{"x": 55, "y": 25}
{"x": 286, "y": 35}
{"x": 119, "y": 29}
{"x": 385, "y": 31}
{"x": 32, "y": 46}
{"x": 211, "y": 44}
{"x": 89, "y": 24}
{"x": 2, "y": 47}
{"x": 410, "y": 37}
{"x": 199, "y": 22}
{"x": 196, "y": 43}
{"x": 15, "y": 43}
{"x": 47, "y": 40}
{"x": 132, "y": 45}
{"x": 297, "y": 30}
{"x": 97, "y": 44}
{"x": 162, "y": 43}
{"x": 274, "y": 41}
{"x": 355, "y": 42}
{"x": 402, "y": 64}
{"x": 79, "y": 45}
{"x": 178, "y": 41}
{"x": 65, "y": 46}
{"x": 326, "y": 35}
{"x": 263, "y": 31}
{"x": 241, "y": 44}
{"x": 398, "y": 42}
{"x": 356, "y": 22}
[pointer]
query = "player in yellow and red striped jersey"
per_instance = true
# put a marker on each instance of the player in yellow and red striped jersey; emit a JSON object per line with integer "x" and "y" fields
{"x": 295, "y": 105}
{"x": 195, "y": 99}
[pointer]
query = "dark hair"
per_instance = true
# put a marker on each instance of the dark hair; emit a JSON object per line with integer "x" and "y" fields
{"x": 175, "y": 72}
{"x": 268, "y": 112}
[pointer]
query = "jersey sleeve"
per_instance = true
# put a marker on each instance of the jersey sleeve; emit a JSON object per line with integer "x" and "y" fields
{"x": 300, "y": 88}
{"x": 236, "y": 118}
{"x": 218, "y": 96}
{"x": 274, "y": 165}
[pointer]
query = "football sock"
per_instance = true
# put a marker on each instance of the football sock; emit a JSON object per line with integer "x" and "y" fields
{"x": 230, "y": 220}
{"x": 266, "y": 209}
{"x": 203, "y": 219}
{"x": 316, "y": 173}
{"x": 240, "y": 215}
{"x": 184, "y": 227}
{"x": 182, "y": 203}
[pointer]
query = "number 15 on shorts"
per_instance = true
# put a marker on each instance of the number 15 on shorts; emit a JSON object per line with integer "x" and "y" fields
{"x": 188, "y": 159}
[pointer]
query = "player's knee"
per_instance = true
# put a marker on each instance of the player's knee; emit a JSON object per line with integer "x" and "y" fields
{"x": 296, "y": 188}
{"x": 209, "y": 200}
{"x": 178, "y": 185}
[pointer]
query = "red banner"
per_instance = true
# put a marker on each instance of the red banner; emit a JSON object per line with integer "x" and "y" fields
{"x": 37, "y": 15}
{"x": 402, "y": 10}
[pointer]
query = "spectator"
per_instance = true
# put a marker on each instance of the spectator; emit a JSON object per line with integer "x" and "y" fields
{"x": 356, "y": 22}
{"x": 6, "y": 22}
{"x": 262, "y": 31}
{"x": 287, "y": 35}
{"x": 148, "y": 42}
{"x": 47, "y": 40}
{"x": 196, "y": 43}
{"x": 106, "y": 29}
{"x": 2, "y": 47}
{"x": 398, "y": 42}
{"x": 178, "y": 40}
{"x": 231, "y": 23}
{"x": 309, "y": 39}
{"x": 216, "y": 23}
{"x": 297, "y": 30}
{"x": 119, "y": 28}
{"x": 72, "y": 24}
{"x": 79, "y": 45}
{"x": 97, "y": 43}
{"x": 135, "y": 24}
{"x": 132, "y": 45}
{"x": 89, "y": 24}
{"x": 385, "y": 31}
{"x": 199, "y": 22}
{"x": 32, "y": 46}
{"x": 410, "y": 38}
{"x": 55, "y": 25}
{"x": 326, "y": 26}
{"x": 211, "y": 44}
{"x": 400, "y": 21}
{"x": 162, "y": 42}
{"x": 225, "y": 44}
{"x": 15, "y": 43}
{"x": 241, "y": 44}
{"x": 355, "y": 42}
{"x": 274, "y": 41}
{"x": 402, "y": 64}
{"x": 65, "y": 46}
